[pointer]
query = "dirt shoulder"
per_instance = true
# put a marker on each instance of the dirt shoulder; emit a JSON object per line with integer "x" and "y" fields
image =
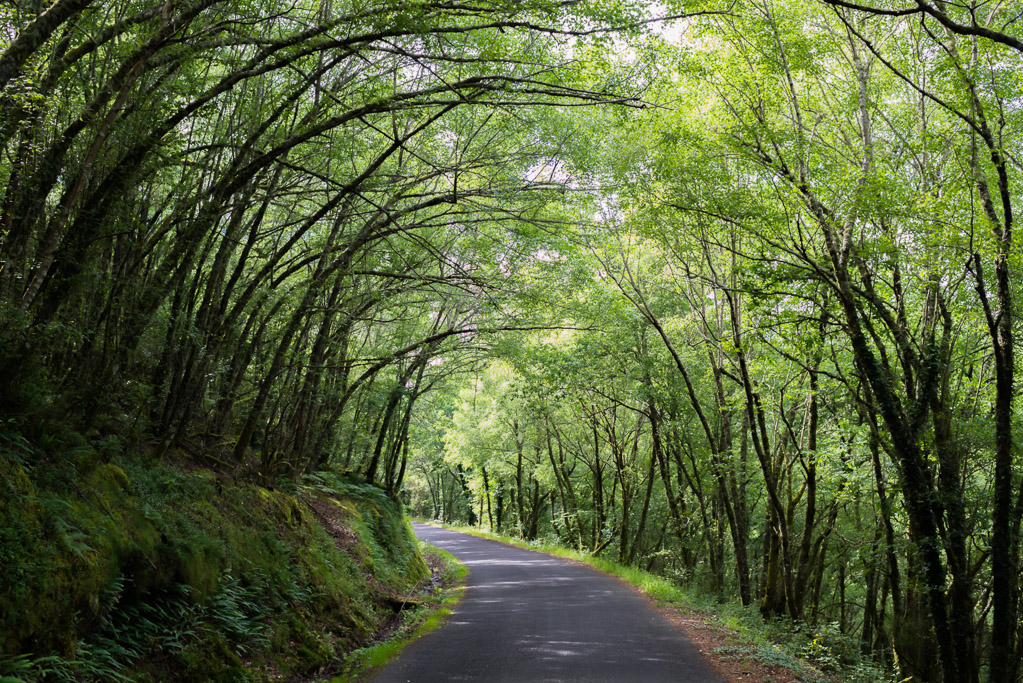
{"x": 720, "y": 647}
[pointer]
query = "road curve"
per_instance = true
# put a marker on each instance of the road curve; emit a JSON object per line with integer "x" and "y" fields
{"x": 528, "y": 617}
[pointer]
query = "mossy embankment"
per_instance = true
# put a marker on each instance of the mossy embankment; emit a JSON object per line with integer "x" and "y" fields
{"x": 114, "y": 568}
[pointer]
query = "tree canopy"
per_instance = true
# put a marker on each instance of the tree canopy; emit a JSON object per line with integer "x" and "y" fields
{"x": 724, "y": 290}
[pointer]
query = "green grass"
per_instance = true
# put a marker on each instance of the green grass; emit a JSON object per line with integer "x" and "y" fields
{"x": 431, "y": 615}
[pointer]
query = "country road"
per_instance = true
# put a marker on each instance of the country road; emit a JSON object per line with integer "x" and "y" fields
{"x": 528, "y": 617}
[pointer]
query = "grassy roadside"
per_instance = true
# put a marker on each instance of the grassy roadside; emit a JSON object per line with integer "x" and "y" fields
{"x": 434, "y": 603}
{"x": 737, "y": 643}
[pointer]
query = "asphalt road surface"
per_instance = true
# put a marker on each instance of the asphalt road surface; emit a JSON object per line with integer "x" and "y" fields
{"x": 527, "y": 617}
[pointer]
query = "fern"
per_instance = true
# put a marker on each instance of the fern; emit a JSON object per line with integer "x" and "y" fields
{"x": 238, "y": 611}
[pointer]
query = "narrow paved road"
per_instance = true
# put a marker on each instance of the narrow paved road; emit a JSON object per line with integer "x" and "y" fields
{"x": 528, "y": 617}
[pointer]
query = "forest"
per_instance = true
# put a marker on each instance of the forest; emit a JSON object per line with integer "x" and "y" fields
{"x": 723, "y": 289}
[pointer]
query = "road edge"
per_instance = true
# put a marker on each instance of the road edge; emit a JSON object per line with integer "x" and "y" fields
{"x": 436, "y": 603}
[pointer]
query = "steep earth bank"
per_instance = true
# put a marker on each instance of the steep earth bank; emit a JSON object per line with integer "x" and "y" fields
{"x": 116, "y": 569}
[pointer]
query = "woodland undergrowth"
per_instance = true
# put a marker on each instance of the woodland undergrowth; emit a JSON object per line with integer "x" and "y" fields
{"x": 123, "y": 569}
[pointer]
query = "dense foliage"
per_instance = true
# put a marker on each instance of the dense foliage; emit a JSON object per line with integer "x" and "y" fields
{"x": 232, "y": 224}
{"x": 792, "y": 375}
{"x": 731, "y": 296}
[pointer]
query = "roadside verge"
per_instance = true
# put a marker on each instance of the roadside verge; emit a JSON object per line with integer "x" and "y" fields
{"x": 427, "y": 609}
